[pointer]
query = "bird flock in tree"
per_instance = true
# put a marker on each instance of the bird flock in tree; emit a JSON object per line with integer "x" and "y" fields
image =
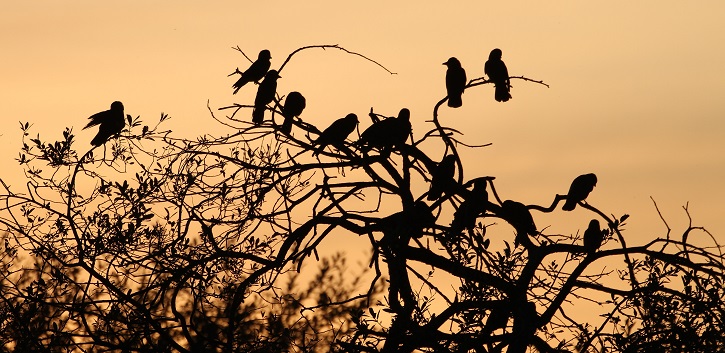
{"x": 389, "y": 134}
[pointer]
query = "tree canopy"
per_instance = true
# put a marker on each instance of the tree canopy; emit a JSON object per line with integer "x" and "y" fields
{"x": 153, "y": 242}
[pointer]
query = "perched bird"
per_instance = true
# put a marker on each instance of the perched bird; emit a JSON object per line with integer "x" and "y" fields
{"x": 518, "y": 215}
{"x": 336, "y": 133}
{"x": 526, "y": 322}
{"x": 472, "y": 206}
{"x": 408, "y": 223}
{"x": 455, "y": 82}
{"x": 442, "y": 177}
{"x": 293, "y": 106}
{"x": 265, "y": 95}
{"x": 111, "y": 123}
{"x": 593, "y": 236}
{"x": 497, "y": 72}
{"x": 387, "y": 133}
{"x": 579, "y": 190}
{"x": 497, "y": 318}
{"x": 255, "y": 72}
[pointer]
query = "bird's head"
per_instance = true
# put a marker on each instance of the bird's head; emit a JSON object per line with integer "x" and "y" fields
{"x": 404, "y": 114}
{"x": 264, "y": 55}
{"x": 452, "y": 62}
{"x": 117, "y": 106}
{"x": 592, "y": 178}
{"x": 352, "y": 117}
{"x": 272, "y": 74}
{"x": 479, "y": 186}
{"x": 448, "y": 159}
{"x": 495, "y": 54}
{"x": 594, "y": 224}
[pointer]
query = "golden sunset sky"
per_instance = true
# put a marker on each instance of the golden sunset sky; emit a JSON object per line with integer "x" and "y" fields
{"x": 637, "y": 90}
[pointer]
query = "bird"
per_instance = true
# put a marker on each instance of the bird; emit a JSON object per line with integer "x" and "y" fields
{"x": 420, "y": 217}
{"x": 497, "y": 72}
{"x": 111, "y": 123}
{"x": 293, "y": 106}
{"x": 408, "y": 223}
{"x": 388, "y": 133}
{"x": 472, "y": 206}
{"x": 579, "y": 190}
{"x": 497, "y": 318}
{"x": 526, "y": 322}
{"x": 265, "y": 95}
{"x": 336, "y": 133}
{"x": 442, "y": 177}
{"x": 455, "y": 82}
{"x": 255, "y": 72}
{"x": 593, "y": 236}
{"x": 518, "y": 215}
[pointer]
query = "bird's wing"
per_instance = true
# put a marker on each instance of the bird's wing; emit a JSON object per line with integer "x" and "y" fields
{"x": 96, "y": 119}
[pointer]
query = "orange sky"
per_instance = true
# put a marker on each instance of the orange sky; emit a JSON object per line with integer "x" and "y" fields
{"x": 636, "y": 87}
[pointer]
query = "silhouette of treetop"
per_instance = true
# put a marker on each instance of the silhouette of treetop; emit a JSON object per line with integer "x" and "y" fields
{"x": 164, "y": 244}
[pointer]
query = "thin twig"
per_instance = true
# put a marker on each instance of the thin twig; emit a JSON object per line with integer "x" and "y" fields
{"x": 334, "y": 46}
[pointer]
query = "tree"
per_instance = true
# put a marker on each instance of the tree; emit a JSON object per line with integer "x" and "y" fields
{"x": 151, "y": 242}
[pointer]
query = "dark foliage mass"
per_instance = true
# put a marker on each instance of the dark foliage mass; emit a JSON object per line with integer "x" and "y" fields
{"x": 151, "y": 242}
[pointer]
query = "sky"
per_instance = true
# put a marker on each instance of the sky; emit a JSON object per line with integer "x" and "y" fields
{"x": 636, "y": 88}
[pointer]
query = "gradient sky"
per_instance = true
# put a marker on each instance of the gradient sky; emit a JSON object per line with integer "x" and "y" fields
{"x": 637, "y": 88}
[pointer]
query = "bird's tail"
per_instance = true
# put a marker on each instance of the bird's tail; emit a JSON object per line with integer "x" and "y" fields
{"x": 434, "y": 193}
{"x": 258, "y": 114}
{"x": 286, "y": 127}
{"x": 99, "y": 140}
{"x": 502, "y": 93}
{"x": 455, "y": 101}
{"x": 568, "y": 205}
{"x": 239, "y": 84}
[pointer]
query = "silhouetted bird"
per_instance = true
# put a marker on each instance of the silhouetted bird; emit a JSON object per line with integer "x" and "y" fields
{"x": 525, "y": 325}
{"x": 579, "y": 190}
{"x": 497, "y": 318}
{"x": 293, "y": 106}
{"x": 455, "y": 82}
{"x": 408, "y": 223}
{"x": 111, "y": 123}
{"x": 593, "y": 236}
{"x": 442, "y": 177}
{"x": 518, "y": 215}
{"x": 386, "y": 133}
{"x": 499, "y": 75}
{"x": 472, "y": 206}
{"x": 336, "y": 133}
{"x": 255, "y": 72}
{"x": 421, "y": 217}
{"x": 265, "y": 95}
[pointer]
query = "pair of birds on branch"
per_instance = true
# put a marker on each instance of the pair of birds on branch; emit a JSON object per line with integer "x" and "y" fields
{"x": 579, "y": 191}
{"x": 494, "y": 68}
{"x": 292, "y": 106}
